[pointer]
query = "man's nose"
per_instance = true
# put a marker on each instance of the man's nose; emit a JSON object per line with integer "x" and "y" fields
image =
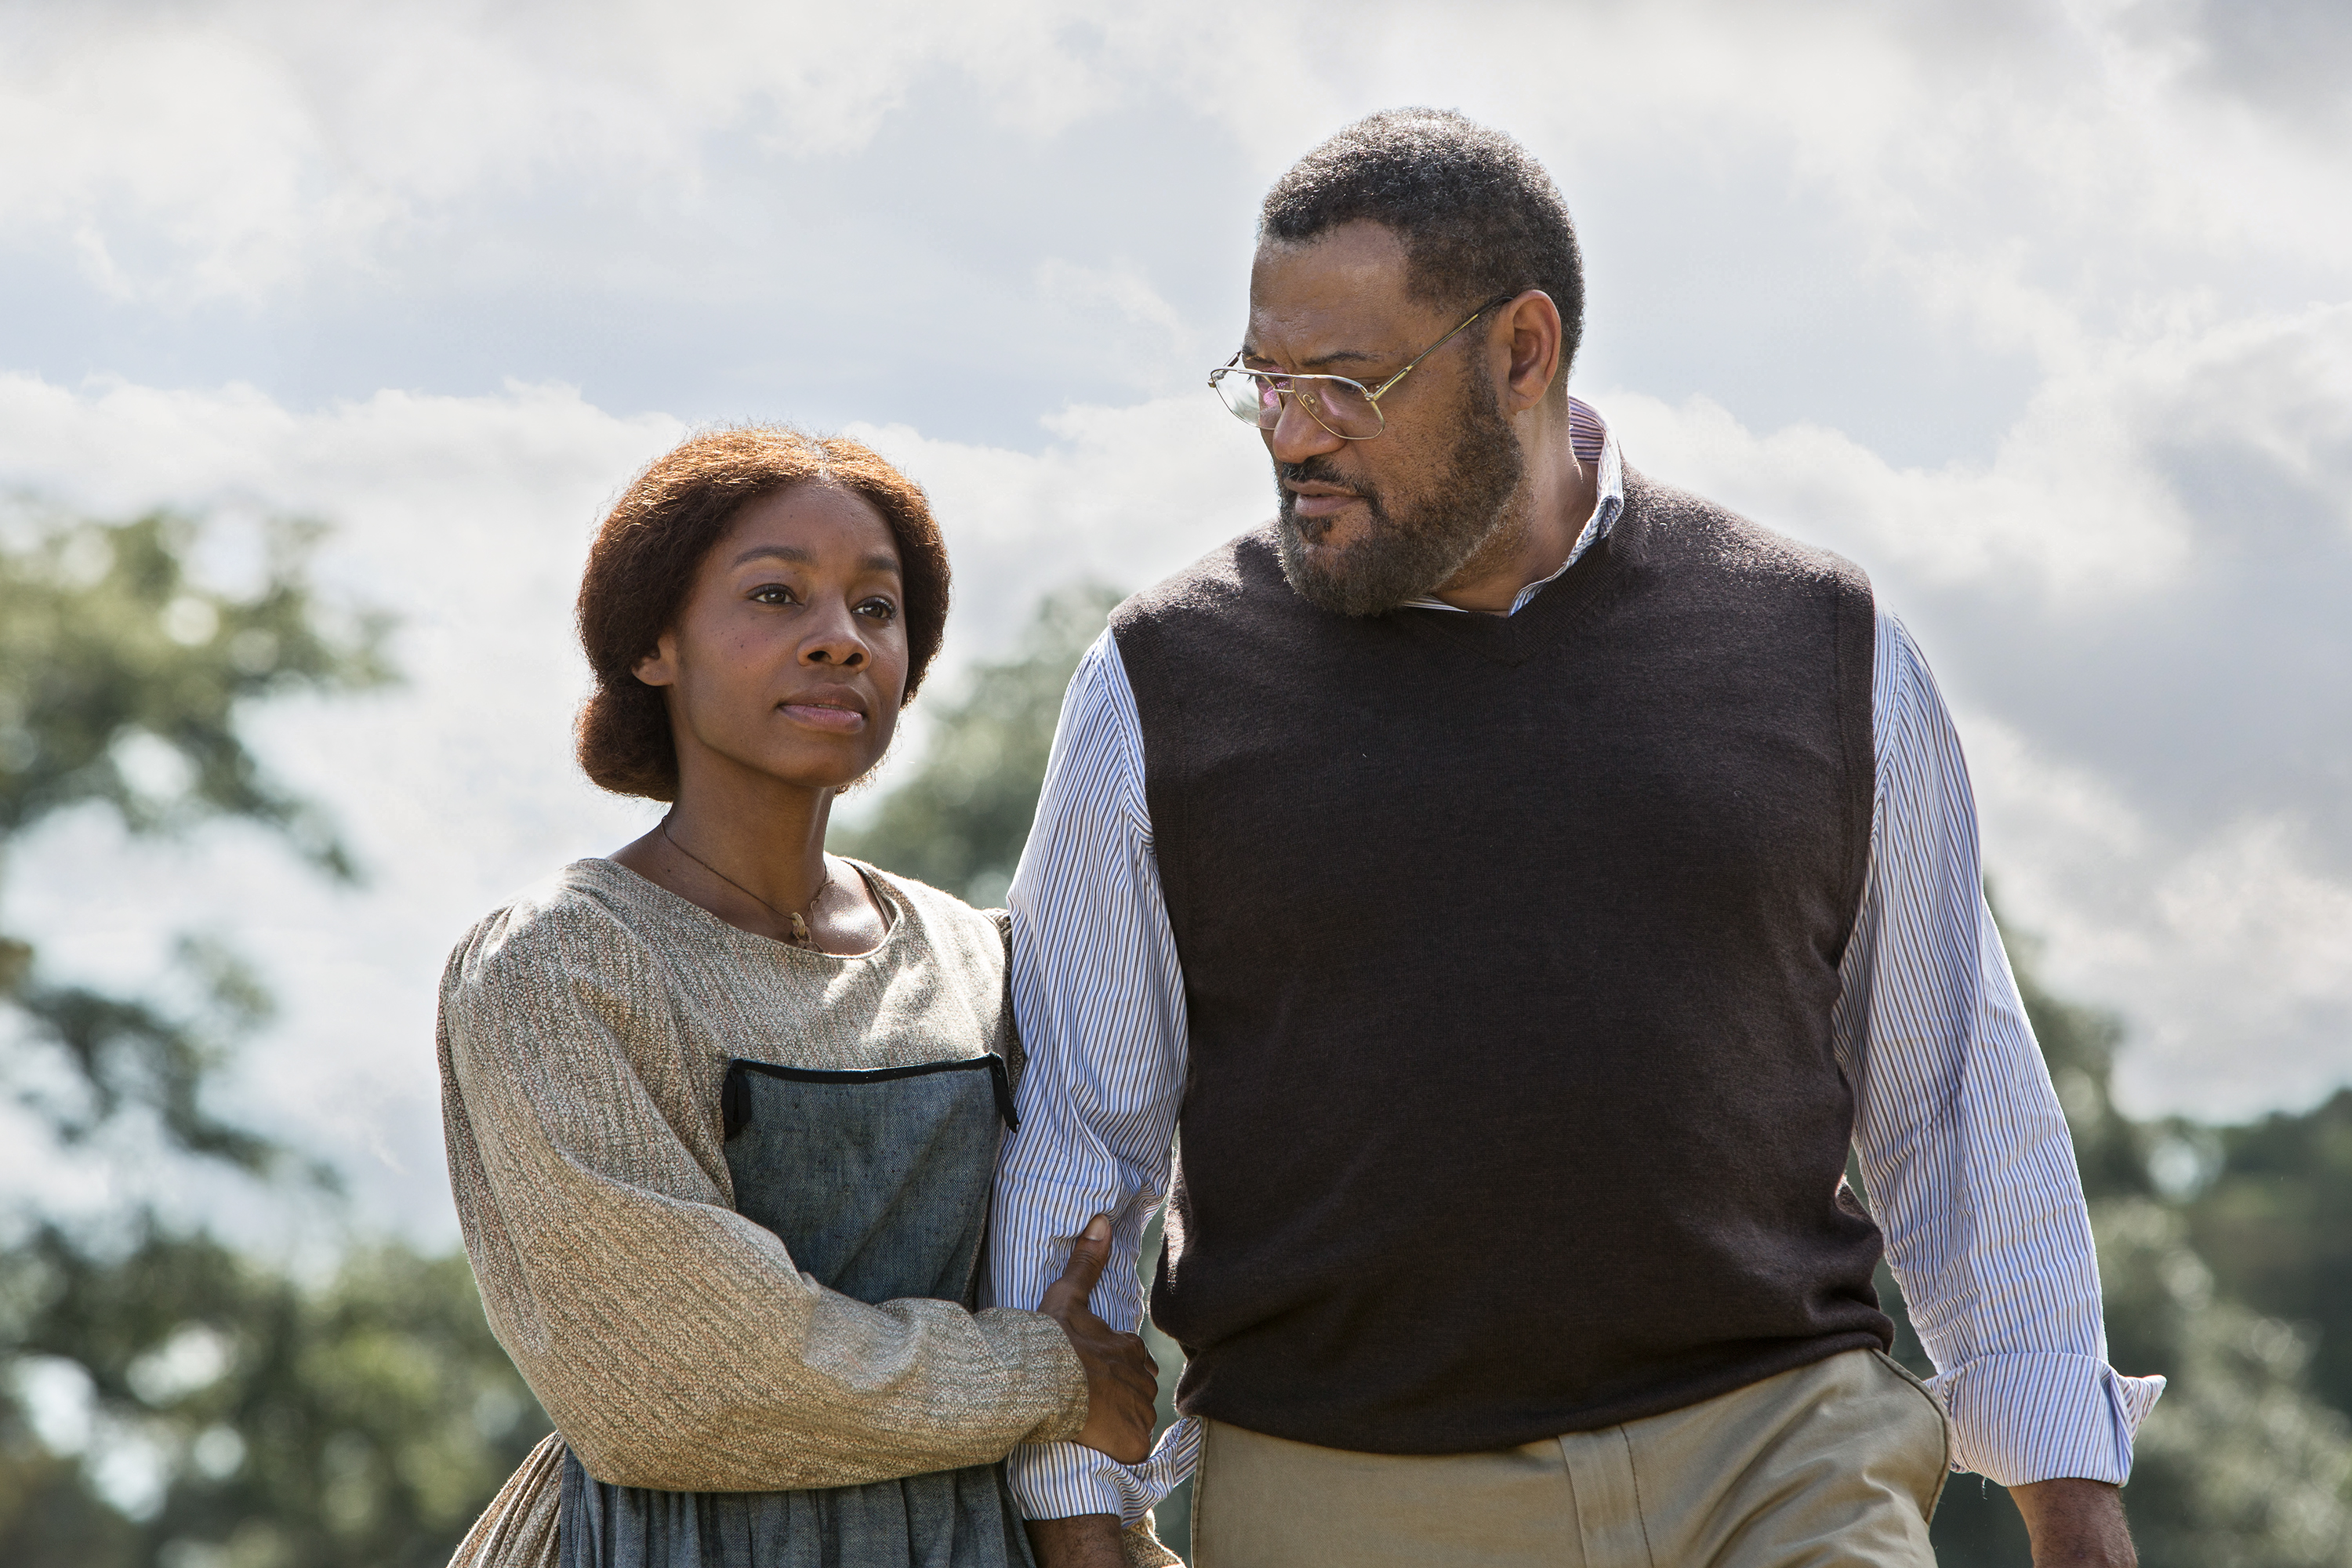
{"x": 1297, "y": 435}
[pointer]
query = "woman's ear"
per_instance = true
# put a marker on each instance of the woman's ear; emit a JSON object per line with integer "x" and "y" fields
{"x": 659, "y": 667}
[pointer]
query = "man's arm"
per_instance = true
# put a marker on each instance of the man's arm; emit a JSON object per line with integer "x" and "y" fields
{"x": 1089, "y": 1540}
{"x": 2071, "y": 1522}
{"x": 1099, "y": 1000}
{"x": 1965, "y": 1151}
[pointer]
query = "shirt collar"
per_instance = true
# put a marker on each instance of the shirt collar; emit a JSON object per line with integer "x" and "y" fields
{"x": 1593, "y": 442}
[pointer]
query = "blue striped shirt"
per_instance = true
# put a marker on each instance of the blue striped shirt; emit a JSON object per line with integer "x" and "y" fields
{"x": 1963, "y": 1147}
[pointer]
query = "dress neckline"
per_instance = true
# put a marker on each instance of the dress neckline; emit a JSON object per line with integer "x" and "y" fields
{"x": 645, "y": 889}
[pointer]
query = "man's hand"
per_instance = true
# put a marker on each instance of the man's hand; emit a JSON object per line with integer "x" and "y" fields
{"x": 1089, "y": 1540}
{"x": 2074, "y": 1522}
{"x": 1122, "y": 1380}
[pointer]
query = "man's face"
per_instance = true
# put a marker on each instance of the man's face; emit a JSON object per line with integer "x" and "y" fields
{"x": 1367, "y": 525}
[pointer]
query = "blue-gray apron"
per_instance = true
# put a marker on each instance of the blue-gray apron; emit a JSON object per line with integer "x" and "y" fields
{"x": 877, "y": 1183}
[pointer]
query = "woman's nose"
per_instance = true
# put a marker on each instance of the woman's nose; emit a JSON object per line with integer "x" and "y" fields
{"x": 838, "y": 646}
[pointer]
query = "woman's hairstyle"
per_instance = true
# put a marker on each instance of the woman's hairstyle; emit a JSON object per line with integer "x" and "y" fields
{"x": 652, "y": 543}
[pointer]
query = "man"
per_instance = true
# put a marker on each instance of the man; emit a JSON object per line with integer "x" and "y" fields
{"x": 1519, "y": 884}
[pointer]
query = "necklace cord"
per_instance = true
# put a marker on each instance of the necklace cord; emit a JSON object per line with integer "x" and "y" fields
{"x": 801, "y": 936}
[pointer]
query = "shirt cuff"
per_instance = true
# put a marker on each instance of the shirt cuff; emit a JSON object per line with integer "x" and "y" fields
{"x": 1063, "y": 1480}
{"x": 2041, "y": 1416}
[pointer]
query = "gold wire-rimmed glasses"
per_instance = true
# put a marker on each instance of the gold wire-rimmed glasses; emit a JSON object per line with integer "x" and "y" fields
{"x": 1346, "y": 407}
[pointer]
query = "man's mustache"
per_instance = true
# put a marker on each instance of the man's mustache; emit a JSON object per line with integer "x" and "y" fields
{"x": 1315, "y": 471}
{"x": 1320, "y": 470}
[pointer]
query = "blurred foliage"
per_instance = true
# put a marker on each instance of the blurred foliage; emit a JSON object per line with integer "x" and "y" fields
{"x": 164, "y": 1402}
{"x": 2242, "y": 1463}
{"x": 958, "y": 821}
{"x": 1172, "y": 1520}
{"x": 120, "y": 683}
{"x": 231, "y": 1417}
{"x": 2269, "y": 1211}
{"x": 106, "y": 642}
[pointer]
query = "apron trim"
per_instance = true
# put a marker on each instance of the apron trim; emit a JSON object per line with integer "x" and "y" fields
{"x": 735, "y": 1099}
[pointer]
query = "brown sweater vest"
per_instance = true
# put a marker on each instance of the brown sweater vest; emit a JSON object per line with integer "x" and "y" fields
{"x": 1509, "y": 947}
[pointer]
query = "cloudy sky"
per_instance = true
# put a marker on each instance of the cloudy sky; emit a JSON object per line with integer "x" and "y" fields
{"x": 2043, "y": 312}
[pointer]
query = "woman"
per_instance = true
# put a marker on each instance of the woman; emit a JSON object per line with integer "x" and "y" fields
{"x": 722, "y": 1110}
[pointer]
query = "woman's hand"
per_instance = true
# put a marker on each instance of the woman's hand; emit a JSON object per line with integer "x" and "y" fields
{"x": 1122, "y": 1380}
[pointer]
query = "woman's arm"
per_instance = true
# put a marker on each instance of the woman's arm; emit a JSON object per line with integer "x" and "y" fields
{"x": 673, "y": 1342}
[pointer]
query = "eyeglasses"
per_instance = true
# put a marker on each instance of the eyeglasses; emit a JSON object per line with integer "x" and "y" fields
{"x": 1347, "y": 408}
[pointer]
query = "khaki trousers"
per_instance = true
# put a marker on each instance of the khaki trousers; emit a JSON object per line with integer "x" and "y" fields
{"x": 1835, "y": 1465}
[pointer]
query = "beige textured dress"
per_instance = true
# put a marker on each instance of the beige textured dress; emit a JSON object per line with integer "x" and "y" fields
{"x": 584, "y": 1036}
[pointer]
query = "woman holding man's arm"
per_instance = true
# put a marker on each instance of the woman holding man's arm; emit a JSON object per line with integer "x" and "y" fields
{"x": 723, "y": 1110}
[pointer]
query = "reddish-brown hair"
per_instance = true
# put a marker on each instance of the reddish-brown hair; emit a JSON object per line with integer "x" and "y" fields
{"x": 651, "y": 545}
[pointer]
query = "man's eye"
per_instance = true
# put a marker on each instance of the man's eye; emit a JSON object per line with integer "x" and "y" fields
{"x": 881, "y": 610}
{"x": 772, "y": 594}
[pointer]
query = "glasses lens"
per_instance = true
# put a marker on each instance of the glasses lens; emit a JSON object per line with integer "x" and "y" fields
{"x": 1247, "y": 396}
{"x": 1339, "y": 406}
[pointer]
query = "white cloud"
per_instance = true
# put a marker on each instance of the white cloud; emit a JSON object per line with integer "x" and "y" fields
{"x": 1123, "y": 321}
{"x": 2083, "y": 503}
{"x": 231, "y": 149}
{"x": 1121, "y": 495}
{"x": 2134, "y": 596}
{"x": 226, "y": 148}
{"x": 2225, "y": 952}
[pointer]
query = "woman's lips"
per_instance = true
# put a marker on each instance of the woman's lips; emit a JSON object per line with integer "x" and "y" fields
{"x": 824, "y": 716}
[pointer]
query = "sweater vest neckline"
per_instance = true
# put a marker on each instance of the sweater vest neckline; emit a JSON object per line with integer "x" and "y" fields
{"x": 1511, "y": 640}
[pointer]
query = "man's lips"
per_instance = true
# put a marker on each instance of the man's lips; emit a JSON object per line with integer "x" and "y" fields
{"x": 1319, "y": 501}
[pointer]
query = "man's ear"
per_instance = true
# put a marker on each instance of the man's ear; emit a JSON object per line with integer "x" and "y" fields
{"x": 1533, "y": 323}
{"x": 659, "y": 667}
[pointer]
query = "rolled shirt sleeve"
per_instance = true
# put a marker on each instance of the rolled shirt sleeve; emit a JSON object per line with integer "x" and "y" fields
{"x": 1101, "y": 1002}
{"x": 1963, "y": 1146}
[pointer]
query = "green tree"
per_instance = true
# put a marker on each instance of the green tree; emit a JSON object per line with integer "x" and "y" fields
{"x": 364, "y": 1422}
{"x": 121, "y": 682}
{"x": 2274, "y": 1219}
{"x": 162, "y": 1400}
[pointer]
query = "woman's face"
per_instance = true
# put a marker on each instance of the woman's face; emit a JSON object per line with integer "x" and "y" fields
{"x": 790, "y": 655}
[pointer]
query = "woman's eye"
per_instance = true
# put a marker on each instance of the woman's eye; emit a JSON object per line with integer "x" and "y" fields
{"x": 772, "y": 594}
{"x": 881, "y": 610}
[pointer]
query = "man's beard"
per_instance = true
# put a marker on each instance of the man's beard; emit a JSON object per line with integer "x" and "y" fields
{"x": 1410, "y": 553}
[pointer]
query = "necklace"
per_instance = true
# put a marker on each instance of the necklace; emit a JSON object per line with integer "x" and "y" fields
{"x": 793, "y": 924}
